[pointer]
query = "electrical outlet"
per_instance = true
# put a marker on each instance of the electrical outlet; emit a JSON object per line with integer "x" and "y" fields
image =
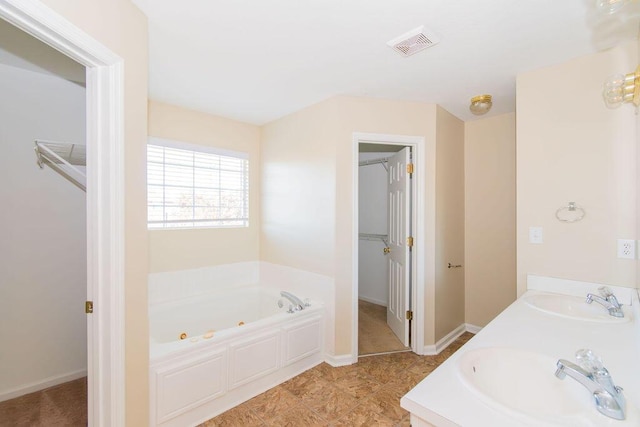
{"x": 626, "y": 249}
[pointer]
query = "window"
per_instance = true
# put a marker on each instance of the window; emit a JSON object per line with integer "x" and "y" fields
{"x": 191, "y": 186}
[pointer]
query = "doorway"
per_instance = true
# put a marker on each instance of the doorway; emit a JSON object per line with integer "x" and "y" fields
{"x": 44, "y": 275}
{"x": 105, "y": 200}
{"x": 384, "y": 261}
{"x": 386, "y": 225}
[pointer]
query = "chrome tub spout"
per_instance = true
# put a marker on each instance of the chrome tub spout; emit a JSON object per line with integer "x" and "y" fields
{"x": 297, "y": 302}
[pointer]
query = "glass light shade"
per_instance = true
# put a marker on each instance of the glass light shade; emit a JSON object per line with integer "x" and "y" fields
{"x": 480, "y": 104}
{"x": 613, "y": 91}
{"x": 611, "y": 6}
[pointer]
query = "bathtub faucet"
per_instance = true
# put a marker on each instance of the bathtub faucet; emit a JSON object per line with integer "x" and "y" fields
{"x": 297, "y": 302}
{"x": 608, "y": 397}
{"x": 608, "y": 300}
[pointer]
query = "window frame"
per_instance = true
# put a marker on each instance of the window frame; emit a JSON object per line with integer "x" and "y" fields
{"x": 192, "y": 223}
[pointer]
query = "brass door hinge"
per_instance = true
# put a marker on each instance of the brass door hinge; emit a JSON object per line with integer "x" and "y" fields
{"x": 409, "y": 315}
{"x": 88, "y": 307}
{"x": 410, "y": 241}
{"x": 409, "y": 168}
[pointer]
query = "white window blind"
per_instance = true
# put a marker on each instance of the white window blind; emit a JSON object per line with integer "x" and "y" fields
{"x": 188, "y": 188}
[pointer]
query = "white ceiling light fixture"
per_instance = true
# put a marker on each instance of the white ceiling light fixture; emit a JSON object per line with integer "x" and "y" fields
{"x": 480, "y": 104}
{"x": 414, "y": 41}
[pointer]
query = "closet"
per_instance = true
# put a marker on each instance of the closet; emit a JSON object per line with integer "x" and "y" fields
{"x": 384, "y": 278}
{"x": 43, "y": 262}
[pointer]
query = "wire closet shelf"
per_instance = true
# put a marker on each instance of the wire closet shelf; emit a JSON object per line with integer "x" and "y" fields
{"x": 67, "y": 159}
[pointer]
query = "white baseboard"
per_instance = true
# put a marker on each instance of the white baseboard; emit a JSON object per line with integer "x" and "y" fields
{"x": 341, "y": 360}
{"x": 41, "y": 385}
{"x": 372, "y": 300}
{"x": 472, "y": 328}
{"x": 430, "y": 350}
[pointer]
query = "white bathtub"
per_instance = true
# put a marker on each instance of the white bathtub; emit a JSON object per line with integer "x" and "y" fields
{"x": 219, "y": 364}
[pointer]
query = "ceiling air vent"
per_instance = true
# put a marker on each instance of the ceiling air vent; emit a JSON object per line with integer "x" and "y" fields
{"x": 413, "y": 41}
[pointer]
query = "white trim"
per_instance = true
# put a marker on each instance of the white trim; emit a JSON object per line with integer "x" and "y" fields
{"x": 472, "y": 328}
{"x": 105, "y": 200}
{"x": 418, "y": 148}
{"x": 340, "y": 360}
{"x": 182, "y": 145}
{"x": 373, "y": 300}
{"x": 445, "y": 341}
{"x": 42, "y": 384}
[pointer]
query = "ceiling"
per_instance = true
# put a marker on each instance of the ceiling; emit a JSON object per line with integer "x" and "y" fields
{"x": 19, "y": 49}
{"x": 258, "y": 60}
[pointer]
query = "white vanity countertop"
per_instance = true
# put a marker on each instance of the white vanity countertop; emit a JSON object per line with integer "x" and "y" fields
{"x": 442, "y": 398}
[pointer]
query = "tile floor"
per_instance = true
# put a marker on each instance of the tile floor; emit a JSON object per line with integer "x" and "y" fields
{"x": 364, "y": 394}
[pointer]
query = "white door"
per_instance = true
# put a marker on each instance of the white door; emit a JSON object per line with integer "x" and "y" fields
{"x": 399, "y": 258}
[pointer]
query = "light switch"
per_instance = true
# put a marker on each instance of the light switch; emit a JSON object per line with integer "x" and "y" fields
{"x": 535, "y": 235}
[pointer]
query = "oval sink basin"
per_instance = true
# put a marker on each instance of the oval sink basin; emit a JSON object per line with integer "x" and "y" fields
{"x": 573, "y": 308}
{"x": 524, "y": 385}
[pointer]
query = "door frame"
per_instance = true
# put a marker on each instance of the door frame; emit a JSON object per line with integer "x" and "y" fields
{"x": 105, "y": 200}
{"x": 418, "y": 149}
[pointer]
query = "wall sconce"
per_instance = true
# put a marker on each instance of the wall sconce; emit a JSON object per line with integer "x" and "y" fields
{"x": 622, "y": 88}
{"x": 480, "y": 104}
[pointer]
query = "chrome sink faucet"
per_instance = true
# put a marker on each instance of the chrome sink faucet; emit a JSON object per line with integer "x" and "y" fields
{"x": 608, "y": 300}
{"x": 594, "y": 377}
{"x": 297, "y": 302}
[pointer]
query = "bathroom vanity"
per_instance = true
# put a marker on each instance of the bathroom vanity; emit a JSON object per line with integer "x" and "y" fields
{"x": 506, "y": 374}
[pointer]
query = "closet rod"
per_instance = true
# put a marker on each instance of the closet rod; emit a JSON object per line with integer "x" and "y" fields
{"x": 368, "y": 236}
{"x": 64, "y": 158}
{"x": 372, "y": 162}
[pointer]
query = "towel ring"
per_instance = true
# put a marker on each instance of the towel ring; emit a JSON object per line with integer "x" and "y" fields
{"x": 570, "y": 213}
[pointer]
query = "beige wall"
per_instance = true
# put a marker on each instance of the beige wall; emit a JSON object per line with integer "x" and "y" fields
{"x": 178, "y": 249}
{"x": 490, "y": 217}
{"x": 122, "y": 28}
{"x": 307, "y": 194}
{"x": 450, "y": 233}
{"x": 571, "y": 148}
{"x": 298, "y": 190}
{"x": 380, "y": 117}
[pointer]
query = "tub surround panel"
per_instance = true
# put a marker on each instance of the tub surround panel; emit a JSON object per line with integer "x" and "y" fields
{"x": 236, "y": 363}
{"x": 438, "y": 399}
{"x": 301, "y": 341}
{"x": 253, "y": 358}
{"x": 187, "y": 384}
{"x": 222, "y": 374}
{"x": 304, "y": 284}
{"x": 177, "y": 285}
